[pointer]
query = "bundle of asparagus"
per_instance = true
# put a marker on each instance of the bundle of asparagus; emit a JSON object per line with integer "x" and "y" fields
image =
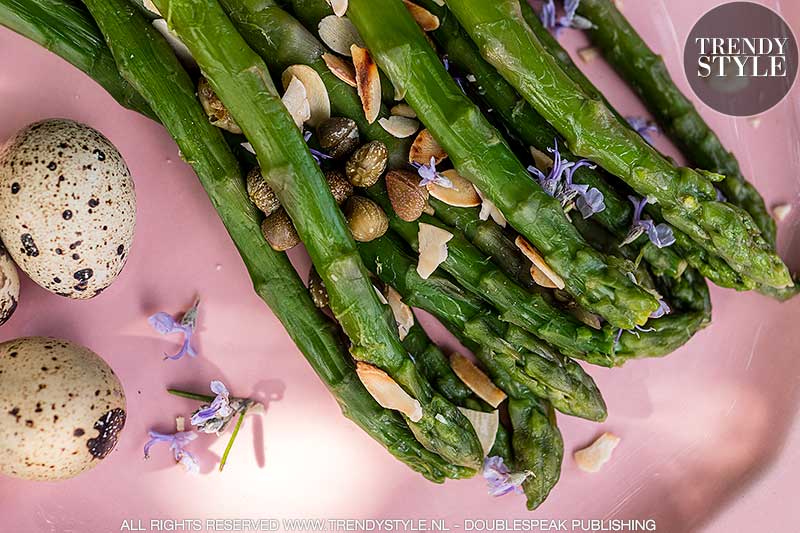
{"x": 497, "y": 252}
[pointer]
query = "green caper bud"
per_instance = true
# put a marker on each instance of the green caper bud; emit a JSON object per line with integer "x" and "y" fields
{"x": 366, "y": 165}
{"x": 339, "y": 186}
{"x": 316, "y": 287}
{"x": 338, "y": 137}
{"x": 365, "y": 218}
{"x": 260, "y": 193}
{"x": 279, "y": 231}
{"x": 217, "y": 113}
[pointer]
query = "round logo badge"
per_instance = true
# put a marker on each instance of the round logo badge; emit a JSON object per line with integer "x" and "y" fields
{"x": 741, "y": 58}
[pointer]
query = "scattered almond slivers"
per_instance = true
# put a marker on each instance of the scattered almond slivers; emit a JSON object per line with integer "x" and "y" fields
{"x": 151, "y": 7}
{"x": 180, "y": 423}
{"x": 424, "y": 18}
{"x": 316, "y": 92}
{"x": 474, "y": 378}
{"x": 432, "y": 248}
{"x": 340, "y": 68}
{"x": 403, "y": 110}
{"x": 462, "y": 194}
{"x": 488, "y": 209}
{"x": 780, "y": 212}
{"x": 339, "y": 7}
{"x": 403, "y": 315}
{"x": 542, "y": 273}
{"x": 424, "y": 147}
{"x": 588, "y": 54}
{"x": 339, "y": 34}
{"x": 368, "y": 82}
{"x": 592, "y": 458}
{"x": 399, "y": 127}
{"x": 387, "y": 392}
{"x": 485, "y": 426}
{"x": 296, "y": 102}
{"x": 541, "y": 160}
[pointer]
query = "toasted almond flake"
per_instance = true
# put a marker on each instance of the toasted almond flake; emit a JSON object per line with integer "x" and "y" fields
{"x": 541, "y": 279}
{"x": 403, "y": 110}
{"x": 755, "y": 122}
{"x": 539, "y": 264}
{"x": 439, "y": 2}
{"x": 387, "y": 392}
{"x": 474, "y": 378}
{"x": 462, "y": 194}
{"x": 151, "y": 7}
{"x": 780, "y": 212}
{"x": 488, "y": 209}
{"x": 588, "y": 54}
{"x": 339, "y": 7}
{"x": 590, "y": 319}
{"x": 340, "y": 68}
{"x": 296, "y": 102}
{"x": 249, "y": 148}
{"x": 339, "y": 34}
{"x": 424, "y": 18}
{"x": 400, "y": 127}
{"x": 174, "y": 41}
{"x": 368, "y": 82}
{"x": 180, "y": 423}
{"x": 381, "y": 297}
{"x": 593, "y": 457}
{"x": 485, "y": 426}
{"x": 403, "y": 315}
{"x": 432, "y": 248}
{"x": 316, "y": 92}
{"x": 424, "y": 147}
{"x": 541, "y": 160}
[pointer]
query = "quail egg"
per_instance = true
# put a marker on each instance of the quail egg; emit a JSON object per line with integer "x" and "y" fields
{"x": 9, "y": 286}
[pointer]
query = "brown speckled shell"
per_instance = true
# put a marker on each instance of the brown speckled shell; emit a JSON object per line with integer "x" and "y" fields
{"x": 9, "y": 286}
{"x": 61, "y": 409}
{"x": 67, "y": 207}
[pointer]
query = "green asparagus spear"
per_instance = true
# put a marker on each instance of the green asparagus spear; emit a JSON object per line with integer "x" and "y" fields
{"x": 646, "y": 73}
{"x": 591, "y": 129}
{"x": 69, "y": 32}
{"x": 155, "y": 72}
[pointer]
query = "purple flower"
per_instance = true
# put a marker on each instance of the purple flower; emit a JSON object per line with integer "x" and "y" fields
{"x": 558, "y": 184}
{"x": 165, "y": 324}
{"x": 663, "y": 309}
{"x": 500, "y": 479}
{"x": 213, "y": 418}
{"x": 643, "y": 127}
{"x": 316, "y": 154}
{"x": 720, "y": 197}
{"x": 429, "y": 174}
{"x": 569, "y": 20}
{"x": 177, "y": 442}
{"x": 660, "y": 235}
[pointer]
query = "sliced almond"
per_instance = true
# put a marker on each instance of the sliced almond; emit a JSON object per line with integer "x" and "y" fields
{"x": 474, "y": 378}
{"x": 403, "y": 315}
{"x": 590, "y": 319}
{"x": 368, "y": 82}
{"x": 541, "y": 160}
{"x": 424, "y": 18}
{"x": 545, "y": 273}
{"x": 339, "y": 7}
{"x": 151, "y": 7}
{"x": 485, "y": 426}
{"x": 340, "y": 68}
{"x": 317, "y": 94}
{"x": 780, "y": 212}
{"x": 462, "y": 194}
{"x": 593, "y": 457}
{"x": 588, "y": 54}
{"x": 488, "y": 209}
{"x": 387, "y": 392}
{"x": 296, "y": 102}
{"x": 424, "y": 147}
{"x": 432, "y": 248}
{"x": 180, "y": 423}
{"x": 439, "y": 2}
{"x": 403, "y": 110}
{"x": 400, "y": 127}
{"x": 339, "y": 34}
{"x": 381, "y": 297}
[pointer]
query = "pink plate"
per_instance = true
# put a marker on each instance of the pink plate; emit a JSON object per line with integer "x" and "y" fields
{"x": 708, "y": 439}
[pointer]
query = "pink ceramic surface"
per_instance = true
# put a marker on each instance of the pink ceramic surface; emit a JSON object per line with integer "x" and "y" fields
{"x": 709, "y": 441}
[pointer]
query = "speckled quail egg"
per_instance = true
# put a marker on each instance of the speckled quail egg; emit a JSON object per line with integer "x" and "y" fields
{"x": 9, "y": 286}
{"x": 67, "y": 207}
{"x": 61, "y": 409}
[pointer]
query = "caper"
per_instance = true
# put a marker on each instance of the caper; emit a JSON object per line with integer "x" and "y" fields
{"x": 338, "y": 136}
{"x": 366, "y": 219}
{"x": 279, "y": 231}
{"x": 260, "y": 193}
{"x": 339, "y": 186}
{"x": 316, "y": 287}
{"x": 407, "y": 197}
{"x": 217, "y": 113}
{"x": 366, "y": 165}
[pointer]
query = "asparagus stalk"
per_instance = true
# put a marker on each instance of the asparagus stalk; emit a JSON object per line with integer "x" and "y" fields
{"x": 687, "y": 197}
{"x": 156, "y": 73}
{"x": 67, "y": 30}
{"x": 646, "y": 73}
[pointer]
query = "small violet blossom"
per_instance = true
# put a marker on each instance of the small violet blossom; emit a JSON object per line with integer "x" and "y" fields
{"x": 569, "y": 20}
{"x": 558, "y": 183}
{"x": 663, "y": 309}
{"x": 500, "y": 479}
{"x": 177, "y": 442}
{"x": 214, "y": 417}
{"x": 316, "y": 154}
{"x": 643, "y": 127}
{"x": 429, "y": 174}
{"x": 165, "y": 324}
{"x": 660, "y": 235}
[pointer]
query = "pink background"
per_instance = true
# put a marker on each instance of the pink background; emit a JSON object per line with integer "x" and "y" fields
{"x": 708, "y": 435}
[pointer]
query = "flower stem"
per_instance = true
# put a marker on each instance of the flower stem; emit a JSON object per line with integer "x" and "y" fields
{"x": 191, "y": 395}
{"x": 233, "y": 437}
